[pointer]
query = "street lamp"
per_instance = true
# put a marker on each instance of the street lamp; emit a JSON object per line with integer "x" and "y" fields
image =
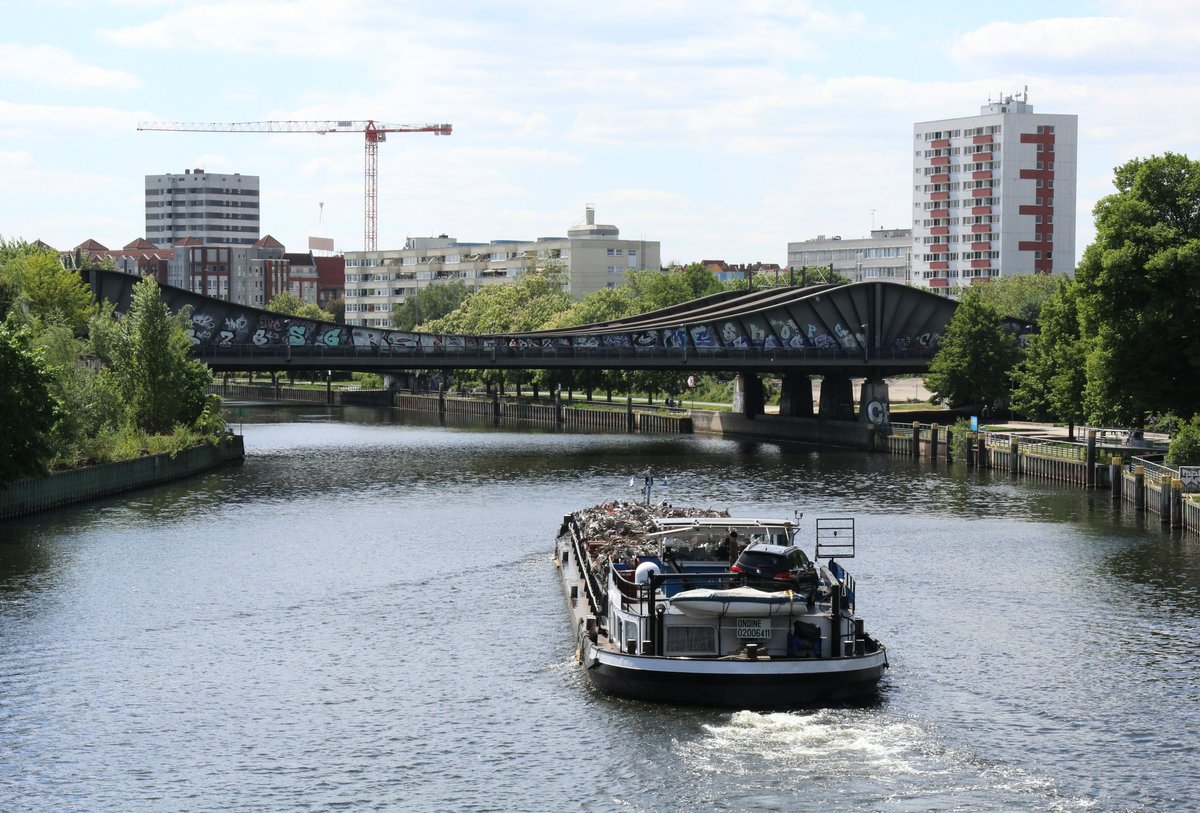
{"x": 866, "y": 345}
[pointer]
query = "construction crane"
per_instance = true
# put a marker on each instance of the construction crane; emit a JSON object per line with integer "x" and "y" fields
{"x": 374, "y": 133}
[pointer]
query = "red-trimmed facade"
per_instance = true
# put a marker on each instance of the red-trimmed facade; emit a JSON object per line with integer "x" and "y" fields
{"x": 994, "y": 195}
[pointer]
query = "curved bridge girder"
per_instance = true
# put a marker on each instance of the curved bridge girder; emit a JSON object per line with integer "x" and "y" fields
{"x": 877, "y": 326}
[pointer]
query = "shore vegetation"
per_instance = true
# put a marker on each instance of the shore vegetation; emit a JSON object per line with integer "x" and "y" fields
{"x": 80, "y": 384}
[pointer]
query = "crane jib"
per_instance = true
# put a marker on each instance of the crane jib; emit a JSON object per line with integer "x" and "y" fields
{"x": 373, "y": 133}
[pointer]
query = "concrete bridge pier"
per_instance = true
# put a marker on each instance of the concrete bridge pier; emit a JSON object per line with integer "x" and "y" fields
{"x": 873, "y": 404}
{"x": 796, "y": 396}
{"x": 748, "y": 396}
{"x": 837, "y": 398}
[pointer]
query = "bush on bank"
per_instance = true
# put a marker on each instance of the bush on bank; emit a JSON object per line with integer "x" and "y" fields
{"x": 83, "y": 385}
{"x": 1185, "y": 445}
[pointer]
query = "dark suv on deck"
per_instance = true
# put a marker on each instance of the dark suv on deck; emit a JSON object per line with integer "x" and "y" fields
{"x": 782, "y": 566}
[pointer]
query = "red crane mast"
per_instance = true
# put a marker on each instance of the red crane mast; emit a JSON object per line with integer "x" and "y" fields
{"x": 374, "y": 133}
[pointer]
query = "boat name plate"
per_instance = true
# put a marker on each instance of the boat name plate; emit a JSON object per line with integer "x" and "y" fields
{"x": 758, "y": 629}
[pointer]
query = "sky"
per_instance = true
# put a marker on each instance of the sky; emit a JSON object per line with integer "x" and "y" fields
{"x": 723, "y": 130}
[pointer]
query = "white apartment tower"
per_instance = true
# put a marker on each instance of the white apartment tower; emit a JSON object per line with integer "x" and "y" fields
{"x": 213, "y": 209}
{"x": 993, "y": 195}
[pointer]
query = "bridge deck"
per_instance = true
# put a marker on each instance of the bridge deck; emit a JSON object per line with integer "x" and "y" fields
{"x": 873, "y": 329}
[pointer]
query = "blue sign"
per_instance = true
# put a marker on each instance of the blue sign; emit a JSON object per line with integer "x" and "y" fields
{"x": 974, "y": 423}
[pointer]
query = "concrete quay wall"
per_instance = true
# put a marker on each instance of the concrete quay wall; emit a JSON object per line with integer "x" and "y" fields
{"x": 35, "y": 494}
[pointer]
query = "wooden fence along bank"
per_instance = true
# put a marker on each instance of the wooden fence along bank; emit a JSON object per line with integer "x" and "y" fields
{"x": 1102, "y": 461}
{"x": 553, "y": 414}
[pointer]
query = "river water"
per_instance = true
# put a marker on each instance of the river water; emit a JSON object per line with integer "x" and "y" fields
{"x": 366, "y": 616}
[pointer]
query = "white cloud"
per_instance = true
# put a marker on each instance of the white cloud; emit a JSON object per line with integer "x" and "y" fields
{"x": 1140, "y": 41}
{"x": 49, "y": 65}
{"x": 22, "y": 158}
{"x": 42, "y": 120}
{"x": 312, "y": 28}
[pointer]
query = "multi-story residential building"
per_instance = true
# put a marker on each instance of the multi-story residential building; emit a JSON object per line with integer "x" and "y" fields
{"x": 592, "y": 255}
{"x": 214, "y": 209}
{"x": 885, "y": 255}
{"x": 331, "y": 279}
{"x": 302, "y": 279}
{"x": 247, "y": 275}
{"x": 993, "y": 195}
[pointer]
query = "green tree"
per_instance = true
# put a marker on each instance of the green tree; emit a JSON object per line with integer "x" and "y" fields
{"x": 289, "y": 304}
{"x": 653, "y": 289}
{"x": 1051, "y": 378}
{"x": 429, "y": 304}
{"x": 48, "y": 291}
{"x": 1020, "y": 297}
{"x": 149, "y": 354}
{"x": 1185, "y": 444}
{"x": 1140, "y": 293}
{"x": 337, "y": 309}
{"x": 521, "y": 306}
{"x": 975, "y": 358}
{"x": 604, "y": 305}
{"x": 527, "y": 304}
{"x": 87, "y": 407}
{"x": 28, "y": 411}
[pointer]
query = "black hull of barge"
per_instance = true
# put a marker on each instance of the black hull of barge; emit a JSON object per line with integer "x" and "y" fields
{"x": 750, "y": 692}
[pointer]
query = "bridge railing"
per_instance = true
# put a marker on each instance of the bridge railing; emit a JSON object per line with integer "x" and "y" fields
{"x": 488, "y": 354}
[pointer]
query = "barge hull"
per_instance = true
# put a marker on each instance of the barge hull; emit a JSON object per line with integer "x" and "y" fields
{"x": 738, "y": 691}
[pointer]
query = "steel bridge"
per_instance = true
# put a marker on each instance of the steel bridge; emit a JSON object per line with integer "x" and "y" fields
{"x": 866, "y": 330}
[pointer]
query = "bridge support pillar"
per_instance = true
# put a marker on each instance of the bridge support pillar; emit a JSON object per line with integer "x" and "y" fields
{"x": 796, "y": 396}
{"x": 748, "y": 395}
{"x": 873, "y": 404}
{"x": 837, "y": 398}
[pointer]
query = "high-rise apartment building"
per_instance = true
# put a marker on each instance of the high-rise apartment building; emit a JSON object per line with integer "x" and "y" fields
{"x": 215, "y": 210}
{"x": 993, "y": 195}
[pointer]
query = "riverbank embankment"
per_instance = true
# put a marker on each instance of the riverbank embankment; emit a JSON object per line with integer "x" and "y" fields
{"x": 35, "y": 494}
